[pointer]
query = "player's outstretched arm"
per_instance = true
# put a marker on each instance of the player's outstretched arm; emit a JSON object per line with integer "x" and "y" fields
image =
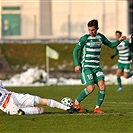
{"x": 113, "y": 44}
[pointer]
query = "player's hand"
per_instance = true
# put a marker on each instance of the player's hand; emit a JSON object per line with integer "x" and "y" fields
{"x": 77, "y": 69}
{"x": 122, "y": 38}
{"x": 112, "y": 57}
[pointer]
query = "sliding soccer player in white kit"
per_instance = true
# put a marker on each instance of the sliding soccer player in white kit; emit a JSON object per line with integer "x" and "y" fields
{"x": 19, "y": 103}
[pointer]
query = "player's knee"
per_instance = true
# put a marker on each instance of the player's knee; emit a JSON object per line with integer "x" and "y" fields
{"x": 90, "y": 89}
{"x": 40, "y": 109}
{"x": 118, "y": 72}
{"x": 126, "y": 76}
{"x": 102, "y": 86}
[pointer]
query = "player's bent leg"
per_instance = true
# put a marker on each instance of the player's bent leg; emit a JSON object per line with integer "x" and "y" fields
{"x": 54, "y": 104}
{"x": 88, "y": 79}
{"x": 100, "y": 98}
{"x": 83, "y": 94}
{"x": 43, "y": 101}
{"x": 31, "y": 110}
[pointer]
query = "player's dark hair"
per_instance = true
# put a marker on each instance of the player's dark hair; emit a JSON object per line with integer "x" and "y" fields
{"x": 93, "y": 22}
{"x": 119, "y": 32}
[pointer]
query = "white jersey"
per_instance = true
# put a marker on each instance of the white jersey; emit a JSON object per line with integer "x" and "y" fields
{"x": 20, "y": 99}
{"x": 6, "y": 102}
{"x": 11, "y": 102}
{"x": 4, "y": 94}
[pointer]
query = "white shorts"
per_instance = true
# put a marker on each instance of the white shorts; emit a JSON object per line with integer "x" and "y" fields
{"x": 25, "y": 100}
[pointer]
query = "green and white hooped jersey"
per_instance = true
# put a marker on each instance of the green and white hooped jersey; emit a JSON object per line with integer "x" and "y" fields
{"x": 90, "y": 48}
{"x": 124, "y": 52}
{"x": 91, "y": 52}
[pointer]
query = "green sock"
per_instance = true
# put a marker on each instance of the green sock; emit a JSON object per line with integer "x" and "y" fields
{"x": 119, "y": 81}
{"x": 101, "y": 95}
{"x": 130, "y": 74}
{"x": 83, "y": 94}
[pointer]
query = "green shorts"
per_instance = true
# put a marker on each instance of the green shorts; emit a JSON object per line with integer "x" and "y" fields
{"x": 91, "y": 76}
{"x": 124, "y": 67}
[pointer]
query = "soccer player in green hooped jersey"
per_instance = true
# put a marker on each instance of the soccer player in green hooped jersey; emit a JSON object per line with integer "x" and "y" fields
{"x": 88, "y": 64}
{"x": 124, "y": 61}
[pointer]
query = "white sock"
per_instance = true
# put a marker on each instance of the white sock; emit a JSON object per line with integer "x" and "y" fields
{"x": 52, "y": 103}
{"x": 96, "y": 107}
{"x": 76, "y": 102}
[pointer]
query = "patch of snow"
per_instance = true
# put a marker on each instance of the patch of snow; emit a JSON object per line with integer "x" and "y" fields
{"x": 38, "y": 77}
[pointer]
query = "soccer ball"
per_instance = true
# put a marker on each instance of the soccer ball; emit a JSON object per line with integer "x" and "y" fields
{"x": 67, "y": 101}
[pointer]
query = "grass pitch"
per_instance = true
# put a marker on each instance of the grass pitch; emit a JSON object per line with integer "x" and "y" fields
{"x": 118, "y": 108}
